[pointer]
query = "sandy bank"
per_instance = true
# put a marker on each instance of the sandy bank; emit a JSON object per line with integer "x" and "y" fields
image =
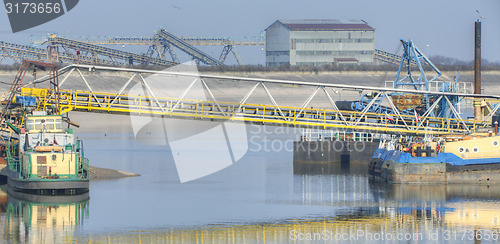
{"x": 95, "y": 173}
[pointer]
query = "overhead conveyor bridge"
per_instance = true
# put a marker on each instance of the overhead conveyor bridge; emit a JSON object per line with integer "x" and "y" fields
{"x": 272, "y": 114}
{"x": 18, "y": 53}
{"x": 186, "y": 47}
{"x": 92, "y": 49}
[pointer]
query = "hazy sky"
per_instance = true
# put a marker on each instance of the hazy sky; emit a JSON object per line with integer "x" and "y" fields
{"x": 446, "y": 26}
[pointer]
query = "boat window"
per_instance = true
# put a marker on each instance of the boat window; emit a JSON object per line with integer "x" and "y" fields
{"x": 30, "y": 125}
{"x": 461, "y": 150}
{"x": 49, "y": 124}
{"x": 38, "y": 124}
{"x": 495, "y": 143}
{"x": 475, "y": 149}
{"x": 58, "y": 124}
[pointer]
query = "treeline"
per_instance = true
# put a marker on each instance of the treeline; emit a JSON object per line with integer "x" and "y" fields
{"x": 296, "y": 68}
{"x": 9, "y": 67}
{"x": 328, "y": 68}
{"x": 443, "y": 60}
{"x": 444, "y": 65}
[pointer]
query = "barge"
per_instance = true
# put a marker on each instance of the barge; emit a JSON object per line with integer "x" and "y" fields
{"x": 459, "y": 159}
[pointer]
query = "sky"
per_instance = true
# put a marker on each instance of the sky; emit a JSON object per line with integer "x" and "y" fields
{"x": 437, "y": 27}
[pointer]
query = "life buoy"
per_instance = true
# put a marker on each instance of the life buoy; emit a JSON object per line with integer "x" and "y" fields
{"x": 413, "y": 149}
{"x": 48, "y": 148}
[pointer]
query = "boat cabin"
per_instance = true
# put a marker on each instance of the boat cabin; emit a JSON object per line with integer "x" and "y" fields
{"x": 46, "y": 151}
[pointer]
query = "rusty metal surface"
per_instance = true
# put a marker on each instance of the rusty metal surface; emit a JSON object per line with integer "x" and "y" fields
{"x": 408, "y": 101}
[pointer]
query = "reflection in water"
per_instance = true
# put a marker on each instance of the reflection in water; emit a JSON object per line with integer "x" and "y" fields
{"x": 434, "y": 192}
{"x": 325, "y": 168}
{"x": 360, "y": 210}
{"x": 42, "y": 219}
{"x": 454, "y": 222}
{"x": 335, "y": 190}
{"x": 261, "y": 199}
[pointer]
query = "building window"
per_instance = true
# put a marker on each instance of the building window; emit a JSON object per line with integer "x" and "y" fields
{"x": 348, "y": 53}
{"x": 305, "y": 53}
{"x": 333, "y": 40}
{"x": 336, "y": 53}
{"x": 276, "y": 53}
{"x": 315, "y": 40}
{"x": 313, "y": 63}
{"x": 273, "y": 64}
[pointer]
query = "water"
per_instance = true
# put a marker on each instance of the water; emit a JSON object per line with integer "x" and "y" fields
{"x": 257, "y": 200}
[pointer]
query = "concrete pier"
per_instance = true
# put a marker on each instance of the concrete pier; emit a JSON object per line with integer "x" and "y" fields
{"x": 325, "y": 157}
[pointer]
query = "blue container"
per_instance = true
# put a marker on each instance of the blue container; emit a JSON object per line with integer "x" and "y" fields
{"x": 26, "y": 100}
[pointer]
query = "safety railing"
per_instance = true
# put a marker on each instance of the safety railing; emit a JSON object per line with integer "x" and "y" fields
{"x": 461, "y": 87}
{"x": 309, "y": 134}
{"x": 82, "y": 162}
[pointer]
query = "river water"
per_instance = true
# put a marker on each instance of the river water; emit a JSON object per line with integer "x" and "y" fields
{"x": 258, "y": 199}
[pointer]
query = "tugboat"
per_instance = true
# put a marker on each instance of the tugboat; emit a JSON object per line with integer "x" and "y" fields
{"x": 45, "y": 159}
{"x": 451, "y": 159}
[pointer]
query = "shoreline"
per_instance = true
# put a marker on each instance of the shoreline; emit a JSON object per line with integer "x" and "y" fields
{"x": 98, "y": 173}
{"x": 95, "y": 173}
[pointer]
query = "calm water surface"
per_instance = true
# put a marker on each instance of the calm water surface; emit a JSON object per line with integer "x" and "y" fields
{"x": 257, "y": 200}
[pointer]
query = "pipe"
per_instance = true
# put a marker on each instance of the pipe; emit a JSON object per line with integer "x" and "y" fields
{"x": 477, "y": 58}
{"x": 477, "y": 68}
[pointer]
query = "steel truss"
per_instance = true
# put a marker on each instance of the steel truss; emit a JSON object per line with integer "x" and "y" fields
{"x": 227, "y": 42}
{"x": 84, "y": 50}
{"x": 270, "y": 113}
{"x": 18, "y": 53}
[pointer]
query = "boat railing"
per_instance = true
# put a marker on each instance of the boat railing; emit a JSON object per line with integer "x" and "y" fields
{"x": 12, "y": 161}
{"x": 83, "y": 171}
{"x": 83, "y": 163}
{"x": 14, "y": 164}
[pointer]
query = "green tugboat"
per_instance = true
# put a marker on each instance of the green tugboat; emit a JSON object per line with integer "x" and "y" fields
{"x": 46, "y": 159}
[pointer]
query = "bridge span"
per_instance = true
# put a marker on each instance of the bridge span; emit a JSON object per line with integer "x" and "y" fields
{"x": 380, "y": 112}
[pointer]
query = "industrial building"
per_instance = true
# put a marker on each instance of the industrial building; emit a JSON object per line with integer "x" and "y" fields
{"x": 319, "y": 42}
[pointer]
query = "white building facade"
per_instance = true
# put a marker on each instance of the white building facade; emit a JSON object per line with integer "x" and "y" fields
{"x": 319, "y": 42}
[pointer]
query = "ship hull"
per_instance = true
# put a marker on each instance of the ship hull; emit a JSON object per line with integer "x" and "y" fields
{"x": 47, "y": 186}
{"x": 21, "y": 196}
{"x": 400, "y": 167}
